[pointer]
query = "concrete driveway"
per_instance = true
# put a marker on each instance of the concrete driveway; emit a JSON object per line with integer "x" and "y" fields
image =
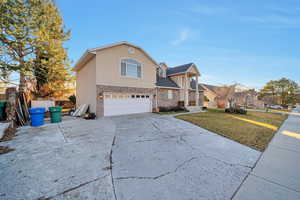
{"x": 134, "y": 157}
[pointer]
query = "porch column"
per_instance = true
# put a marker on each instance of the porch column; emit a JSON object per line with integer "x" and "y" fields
{"x": 186, "y": 95}
{"x": 197, "y": 92}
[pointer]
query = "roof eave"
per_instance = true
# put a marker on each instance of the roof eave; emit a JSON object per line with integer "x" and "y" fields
{"x": 167, "y": 87}
{"x": 83, "y": 59}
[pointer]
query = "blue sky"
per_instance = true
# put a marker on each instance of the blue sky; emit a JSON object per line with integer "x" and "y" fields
{"x": 249, "y": 42}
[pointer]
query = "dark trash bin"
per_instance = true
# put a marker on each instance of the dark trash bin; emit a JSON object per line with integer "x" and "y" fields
{"x": 2, "y": 110}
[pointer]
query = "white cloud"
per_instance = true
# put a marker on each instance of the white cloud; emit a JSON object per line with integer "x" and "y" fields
{"x": 183, "y": 35}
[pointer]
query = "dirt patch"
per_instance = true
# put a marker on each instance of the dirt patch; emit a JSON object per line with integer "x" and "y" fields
{"x": 4, "y": 149}
{"x": 9, "y": 133}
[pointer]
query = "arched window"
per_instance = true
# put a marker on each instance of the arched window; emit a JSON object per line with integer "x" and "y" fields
{"x": 131, "y": 68}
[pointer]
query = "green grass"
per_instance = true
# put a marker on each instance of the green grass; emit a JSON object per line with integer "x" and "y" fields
{"x": 254, "y": 136}
{"x": 171, "y": 113}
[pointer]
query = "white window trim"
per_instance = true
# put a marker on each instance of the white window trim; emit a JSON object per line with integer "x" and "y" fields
{"x": 170, "y": 94}
{"x": 126, "y": 76}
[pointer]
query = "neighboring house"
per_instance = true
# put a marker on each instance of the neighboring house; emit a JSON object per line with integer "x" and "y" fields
{"x": 122, "y": 78}
{"x": 219, "y": 96}
{"x": 3, "y": 87}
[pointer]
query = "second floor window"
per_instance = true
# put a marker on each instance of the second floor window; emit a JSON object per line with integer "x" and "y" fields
{"x": 160, "y": 72}
{"x": 131, "y": 68}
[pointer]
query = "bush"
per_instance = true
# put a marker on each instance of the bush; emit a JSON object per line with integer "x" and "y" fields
{"x": 236, "y": 111}
{"x": 172, "y": 109}
{"x": 72, "y": 98}
{"x": 90, "y": 116}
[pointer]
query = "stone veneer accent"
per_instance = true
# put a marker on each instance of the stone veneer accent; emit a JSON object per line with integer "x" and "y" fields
{"x": 163, "y": 100}
{"x": 117, "y": 89}
{"x": 192, "y": 97}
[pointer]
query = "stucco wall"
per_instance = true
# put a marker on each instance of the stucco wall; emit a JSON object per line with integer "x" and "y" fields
{"x": 85, "y": 85}
{"x": 108, "y": 68}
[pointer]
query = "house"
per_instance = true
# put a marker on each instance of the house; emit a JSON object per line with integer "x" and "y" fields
{"x": 219, "y": 96}
{"x": 122, "y": 78}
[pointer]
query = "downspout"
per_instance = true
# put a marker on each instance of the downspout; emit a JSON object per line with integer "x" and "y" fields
{"x": 156, "y": 100}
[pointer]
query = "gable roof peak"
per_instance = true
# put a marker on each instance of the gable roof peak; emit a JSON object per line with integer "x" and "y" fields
{"x": 179, "y": 69}
{"x": 92, "y": 51}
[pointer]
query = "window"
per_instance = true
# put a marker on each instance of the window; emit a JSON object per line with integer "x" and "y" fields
{"x": 160, "y": 72}
{"x": 131, "y": 68}
{"x": 170, "y": 94}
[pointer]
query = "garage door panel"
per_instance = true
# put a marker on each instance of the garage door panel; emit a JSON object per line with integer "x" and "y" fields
{"x": 121, "y": 106}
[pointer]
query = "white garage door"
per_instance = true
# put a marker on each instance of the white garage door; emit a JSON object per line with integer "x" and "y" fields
{"x": 121, "y": 104}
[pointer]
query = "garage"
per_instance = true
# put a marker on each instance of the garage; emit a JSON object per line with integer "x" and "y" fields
{"x": 122, "y": 104}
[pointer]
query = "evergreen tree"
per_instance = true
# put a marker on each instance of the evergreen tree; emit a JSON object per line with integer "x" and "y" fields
{"x": 51, "y": 67}
{"x": 31, "y": 40}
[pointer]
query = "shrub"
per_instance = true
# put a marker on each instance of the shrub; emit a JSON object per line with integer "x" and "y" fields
{"x": 236, "y": 111}
{"x": 172, "y": 109}
{"x": 72, "y": 98}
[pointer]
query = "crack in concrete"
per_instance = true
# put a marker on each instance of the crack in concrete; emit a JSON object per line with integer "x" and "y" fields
{"x": 71, "y": 189}
{"x": 111, "y": 167}
{"x": 181, "y": 138}
{"x": 159, "y": 176}
{"x": 62, "y": 131}
{"x": 150, "y": 140}
{"x": 245, "y": 178}
{"x": 227, "y": 163}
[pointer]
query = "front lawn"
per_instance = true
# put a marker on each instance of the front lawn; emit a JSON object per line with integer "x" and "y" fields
{"x": 255, "y": 132}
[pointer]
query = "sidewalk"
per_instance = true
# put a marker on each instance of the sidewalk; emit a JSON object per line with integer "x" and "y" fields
{"x": 277, "y": 173}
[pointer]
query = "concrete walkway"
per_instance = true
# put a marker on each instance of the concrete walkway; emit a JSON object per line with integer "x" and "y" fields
{"x": 277, "y": 173}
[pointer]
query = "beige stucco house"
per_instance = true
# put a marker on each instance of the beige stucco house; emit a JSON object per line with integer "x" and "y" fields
{"x": 122, "y": 78}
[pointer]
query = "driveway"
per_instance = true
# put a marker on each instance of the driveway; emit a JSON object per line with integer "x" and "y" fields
{"x": 134, "y": 157}
{"x": 276, "y": 175}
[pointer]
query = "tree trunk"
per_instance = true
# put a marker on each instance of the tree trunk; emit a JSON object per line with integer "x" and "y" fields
{"x": 22, "y": 85}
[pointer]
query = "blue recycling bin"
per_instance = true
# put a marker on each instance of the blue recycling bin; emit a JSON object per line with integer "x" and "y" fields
{"x": 37, "y": 116}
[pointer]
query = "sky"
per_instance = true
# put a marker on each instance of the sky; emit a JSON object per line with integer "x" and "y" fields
{"x": 247, "y": 42}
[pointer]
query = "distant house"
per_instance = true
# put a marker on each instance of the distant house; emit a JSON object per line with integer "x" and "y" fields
{"x": 219, "y": 96}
